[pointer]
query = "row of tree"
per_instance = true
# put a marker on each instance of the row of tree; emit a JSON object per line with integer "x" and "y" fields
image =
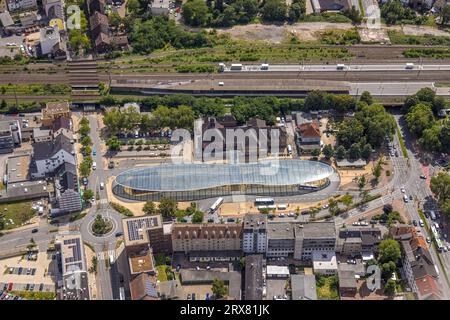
{"x": 421, "y": 110}
{"x": 440, "y": 185}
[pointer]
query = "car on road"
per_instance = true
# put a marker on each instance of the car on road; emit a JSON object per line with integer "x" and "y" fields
{"x": 445, "y": 249}
{"x": 119, "y": 234}
{"x": 34, "y": 230}
{"x": 85, "y": 181}
{"x": 403, "y": 190}
{"x": 405, "y": 198}
{"x": 94, "y": 152}
{"x": 396, "y": 153}
{"x": 428, "y": 240}
{"x": 94, "y": 165}
{"x": 415, "y": 223}
{"x": 422, "y": 176}
{"x": 102, "y": 186}
{"x": 411, "y": 197}
{"x": 421, "y": 223}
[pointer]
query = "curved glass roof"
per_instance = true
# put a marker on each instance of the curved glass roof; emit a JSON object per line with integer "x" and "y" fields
{"x": 195, "y": 176}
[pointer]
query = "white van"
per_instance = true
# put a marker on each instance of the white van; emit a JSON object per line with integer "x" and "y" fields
{"x": 405, "y": 198}
{"x": 94, "y": 165}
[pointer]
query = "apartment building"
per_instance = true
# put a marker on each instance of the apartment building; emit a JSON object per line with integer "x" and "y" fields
{"x": 73, "y": 267}
{"x": 280, "y": 239}
{"x": 53, "y": 111}
{"x": 206, "y": 237}
{"x": 21, "y": 5}
{"x": 314, "y": 237}
{"x": 356, "y": 241}
{"x": 417, "y": 263}
{"x": 49, "y": 155}
{"x": 10, "y": 135}
{"x": 254, "y": 238}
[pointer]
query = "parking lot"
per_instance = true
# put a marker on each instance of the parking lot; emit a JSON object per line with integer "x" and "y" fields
{"x": 10, "y": 51}
{"x": 37, "y": 273}
{"x": 276, "y": 288}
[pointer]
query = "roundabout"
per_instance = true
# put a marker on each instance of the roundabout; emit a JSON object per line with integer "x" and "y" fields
{"x": 112, "y": 225}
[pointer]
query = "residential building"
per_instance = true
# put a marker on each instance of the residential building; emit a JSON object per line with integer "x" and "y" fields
{"x": 50, "y": 40}
{"x": 67, "y": 196}
{"x": 206, "y": 277}
{"x": 73, "y": 264}
{"x": 280, "y": 239}
{"x": 253, "y": 140}
{"x": 10, "y": 135}
{"x": 330, "y": 5}
{"x": 147, "y": 231}
{"x": 355, "y": 164}
{"x": 42, "y": 135}
{"x": 347, "y": 283}
{"x": 95, "y": 6}
{"x": 3, "y": 8}
{"x": 54, "y": 9}
{"x": 359, "y": 241}
{"x": 300, "y": 240}
{"x": 141, "y": 262}
{"x": 48, "y": 156}
{"x": 100, "y": 31}
{"x": 206, "y": 237}
{"x": 308, "y": 137}
{"x": 18, "y": 168}
{"x": 5, "y": 19}
{"x": 63, "y": 125}
{"x": 303, "y": 287}
{"x": 21, "y": 5}
{"x": 144, "y": 287}
{"x": 277, "y": 271}
{"x": 417, "y": 263}
{"x": 314, "y": 237}
{"x": 324, "y": 263}
{"x": 160, "y": 7}
{"x": 254, "y": 286}
{"x": 53, "y": 111}
{"x": 255, "y": 234}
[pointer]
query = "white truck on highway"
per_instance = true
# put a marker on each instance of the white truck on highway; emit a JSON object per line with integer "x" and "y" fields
{"x": 340, "y": 66}
{"x": 409, "y": 65}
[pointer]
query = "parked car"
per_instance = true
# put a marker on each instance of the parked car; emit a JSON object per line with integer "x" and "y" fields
{"x": 415, "y": 223}
{"x": 422, "y": 176}
{"x": 428, "y": 240}
{"x": 34, "y": 230}
{"x": 421, "y": 223}
{"x": 85, "y": 181}
{"x": 119, "y": 234}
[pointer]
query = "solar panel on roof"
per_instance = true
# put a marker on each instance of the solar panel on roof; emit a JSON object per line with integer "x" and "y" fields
{"x": 150, "y": 289}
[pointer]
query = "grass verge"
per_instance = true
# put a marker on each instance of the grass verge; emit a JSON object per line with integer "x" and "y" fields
{"x": 402, "y": 141}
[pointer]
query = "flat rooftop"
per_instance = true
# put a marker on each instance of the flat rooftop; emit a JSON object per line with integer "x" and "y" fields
{"x": 135, "y": 229}
{"x": 141, "y": 262}
{"x": 18, "y": 168}
{"x": 72, "y": 252}
{"x": 280, "y": 230}
{"x": 317, "y": 230}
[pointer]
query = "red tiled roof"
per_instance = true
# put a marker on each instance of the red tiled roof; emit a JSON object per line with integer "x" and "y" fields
{"x": 309, "y": 130}
{"x": 428, "y": 288}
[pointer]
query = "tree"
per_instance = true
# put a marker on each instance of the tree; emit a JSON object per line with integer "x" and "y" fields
{"x": 149, "y": 208}
{"x": 219, "y": 289}
{"x": 353, "y": 15}
{"x": 366, "y": 151}
{"x": 274, "y": 10}
{"x": 88, "y": 194}
{"x": 387, "y": 208}
{"x": 431, "y": 138}
{"x": 377, "y": 171}
{"x": 315, "y": 152}
{"x": 167, "y": 207}
{"x": 419, "y": 118}
{"x": 315, "y": 100}
{"x": 389, "y": 250}
{"x": 440, "y": 185}
{"x": 444, "y": 15}
{"x": 366, "y": 97}
{"x": 362, "y": 182}
{"x": 86, "y": 141}
{"x": 333, "y": 207}
{"x": 340, "y": 152}
{"x": 389, "y": 288}
{"x": 387, "y": 269}
{"x": 84, "y": 129}
{"x": 197, "y": 217}
{"x": 133, "y": 6}
{"x": 347, "y": 200}
{"x": 354, "y": 152}
{"x": 100, "y": 226}
{"x": 113, "y": 143}
{"x": 350, "y": 131}
{"x": 328, "y": 151}
{"x": 195, "y": 13}
{"x": 85, "y": 169}
{"x": 297, "y": 11}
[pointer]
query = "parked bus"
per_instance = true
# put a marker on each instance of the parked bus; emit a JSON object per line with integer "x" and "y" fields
{"x": 216, "y": 205}
{"x": 264, "y": 201}
{"x": 282, "y": 207}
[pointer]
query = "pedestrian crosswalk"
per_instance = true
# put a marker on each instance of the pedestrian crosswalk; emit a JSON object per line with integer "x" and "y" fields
{"x": 103, "y": 201}
{"x": 105, "y": 255}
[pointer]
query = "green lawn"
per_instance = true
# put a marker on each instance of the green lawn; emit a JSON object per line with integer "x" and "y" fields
{"x": 18, "y": 212}
{"x": 398, "y": 37}
{"x": 327, "y": 287}
{"x": 28, "y": 295}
